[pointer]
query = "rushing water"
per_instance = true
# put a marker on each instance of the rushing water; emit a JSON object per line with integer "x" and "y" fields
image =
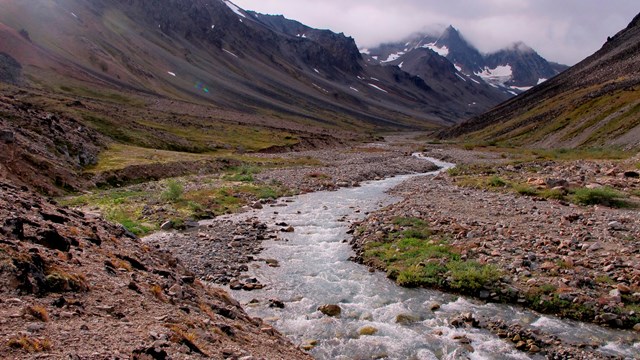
{"x": 315, "y": 269}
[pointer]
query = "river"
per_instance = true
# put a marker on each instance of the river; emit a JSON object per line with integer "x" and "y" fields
{"x": 315, "y": 269}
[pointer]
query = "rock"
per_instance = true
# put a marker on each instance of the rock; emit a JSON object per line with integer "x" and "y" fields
{"x": 521, "y": 345}
{"x": 289, "y": 229}
{"x": 624, "y": 289}
{"x": 406, "y": 319}
{"x": 152, "y": 352}
{"x": 616, "y": 226}
{"x": 547, "y": 265}
{"x": 257, "y": 205}
{"x": 608, "y": 317}
{"x": 367, "y": 330}
{"x": 632, "y": 174}
{"x": 636, "y": 327}
{"x": 7, "y": 136}
{"x": 272, "y": 263}
{"x": 556, "y": 183}
{"x": 167, "y": 225}
{"x": 434, "y": 306}
{"x": 275, "y": 303}
{"x": 235, "y": 285}
{"x": 53, "y": 240}
{"x": 534, "y": 349}
{"x": 330, "y": 310}
{"x": 35, "y": 327}
{"x": 308, "y": 345}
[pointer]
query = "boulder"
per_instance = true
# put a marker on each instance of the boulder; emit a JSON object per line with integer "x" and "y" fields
{"x": 367, "y": 330}
{"x": 330, "y": 310}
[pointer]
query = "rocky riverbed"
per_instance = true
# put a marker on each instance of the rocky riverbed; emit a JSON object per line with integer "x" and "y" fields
{"x": 581, "y": 255}
{"x": 220, "y": 250}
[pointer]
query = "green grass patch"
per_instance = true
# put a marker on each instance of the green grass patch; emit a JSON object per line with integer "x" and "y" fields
{"x": 243, "y": 173}
{"x": 471, "y": 276}
{"x": 119, "y": 156}
{"x": 525, "y": 190}
{"x": 599, "y": 196}
{"x": 496, "y": 181}
{"x": 413, "y": 258}
{"x": 130, "y": 221}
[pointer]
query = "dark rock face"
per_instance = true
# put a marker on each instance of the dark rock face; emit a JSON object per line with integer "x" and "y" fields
{"x": 10, "y": 69}
{"x": 527, "y": 65}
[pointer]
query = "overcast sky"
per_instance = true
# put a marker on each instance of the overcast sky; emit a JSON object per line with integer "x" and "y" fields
{"x": 564, "y": 31}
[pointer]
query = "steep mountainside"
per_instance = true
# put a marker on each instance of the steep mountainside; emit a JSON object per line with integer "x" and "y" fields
{"x": 595, "y": 103}
{"x": 511, "y": 70}
{"x": 214, "y": 53}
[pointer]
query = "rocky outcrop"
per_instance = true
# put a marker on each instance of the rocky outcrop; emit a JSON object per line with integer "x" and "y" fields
{"x": 10, "y": 69}
{"x": 76, "y": 286}
{"x": 44, "y": 150}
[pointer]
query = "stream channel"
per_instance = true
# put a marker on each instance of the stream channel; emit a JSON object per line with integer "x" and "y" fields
{"x": 315, "y": 269}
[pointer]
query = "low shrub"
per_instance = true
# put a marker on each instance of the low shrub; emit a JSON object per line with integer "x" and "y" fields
{"x": 598, "y": 196}
{"x": 173, "y": 192}
{"x": 29, "y": 344}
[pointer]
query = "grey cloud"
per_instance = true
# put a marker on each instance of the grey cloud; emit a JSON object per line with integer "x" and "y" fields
{"x": 565, "y": 31}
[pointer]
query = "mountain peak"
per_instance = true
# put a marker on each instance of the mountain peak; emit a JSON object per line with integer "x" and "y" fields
{"x": 521, "y": 47}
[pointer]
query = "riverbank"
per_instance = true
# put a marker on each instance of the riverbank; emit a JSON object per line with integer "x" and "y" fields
{"x": 576, "y": 261}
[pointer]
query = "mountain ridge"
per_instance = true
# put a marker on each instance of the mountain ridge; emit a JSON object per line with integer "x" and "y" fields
{"x": 594, "y": 103}
{"x": 512, "y": 70}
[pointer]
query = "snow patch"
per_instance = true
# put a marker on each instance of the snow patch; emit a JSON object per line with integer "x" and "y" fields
{"x": 74, "y": 15}
{"x": 393, "y": 57}
{"x": 354, "y": 89}
{"x": 171, "y": 73}
{"x": 498, "y": 76}
{"x": 316, "y": 70}
{"x": 213, "y": 26}
{"x": 365, "y": 51}
{"x": 320, "y": 88}
{"x": 441, "y": 50}
{"x": 230, "y": 53}
{"x": 400, "y": 65}
{"x": 474, "y": 80}
{"x": 375, "y": 57}
{"x": 235, "y": 8}
{"x": 540, "y": 81}
{"x": 458, "y": 67}
{"x": 378, "y": 88}
{"x": 375, "y": 79}
{"x": 463, "y": 79}
{"x": 522, "y": 88}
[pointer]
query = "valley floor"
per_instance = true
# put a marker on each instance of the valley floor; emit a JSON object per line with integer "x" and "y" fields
{"x": 517, "y": 219}
{"x": 549, "y": 253}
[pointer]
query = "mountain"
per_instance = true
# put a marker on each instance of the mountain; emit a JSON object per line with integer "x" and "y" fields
{"x": 594, "y": 103}
{"x": 512, "y": 70}
{"x": 213, "y": 53}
